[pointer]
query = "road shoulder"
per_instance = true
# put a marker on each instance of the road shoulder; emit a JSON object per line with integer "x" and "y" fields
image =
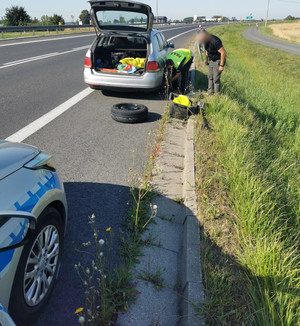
{"x": 171, "y": 257}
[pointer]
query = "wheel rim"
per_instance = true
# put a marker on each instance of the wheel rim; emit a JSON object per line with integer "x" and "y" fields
{"x": 130, "y": 107}
{"x": 41, "y": 265}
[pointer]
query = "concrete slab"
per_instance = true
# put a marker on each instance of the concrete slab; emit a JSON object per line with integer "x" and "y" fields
{"x": 164, "y": 234}
{"x": 173, "y": 211}
{"x": 152, "y": 308}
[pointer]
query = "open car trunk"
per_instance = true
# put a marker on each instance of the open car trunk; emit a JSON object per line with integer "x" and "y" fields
{"x": 123, "y": 54}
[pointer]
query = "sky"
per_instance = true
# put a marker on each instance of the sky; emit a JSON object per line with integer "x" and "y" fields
{"x": 173, "y": 9}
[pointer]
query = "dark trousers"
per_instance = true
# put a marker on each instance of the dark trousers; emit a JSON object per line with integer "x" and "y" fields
{"x": 214, "y": 77}
{"x": 184, "y": 78}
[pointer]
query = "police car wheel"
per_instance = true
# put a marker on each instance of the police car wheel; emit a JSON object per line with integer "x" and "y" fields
{"x": 37, "y": 268}
{"x": 129, "y": 112}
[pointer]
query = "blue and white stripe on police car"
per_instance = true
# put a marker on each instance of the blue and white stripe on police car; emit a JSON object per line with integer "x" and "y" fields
{"x": 5, "y": 319}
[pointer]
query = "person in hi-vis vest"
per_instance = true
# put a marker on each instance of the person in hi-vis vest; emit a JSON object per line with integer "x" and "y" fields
{"x": 178, "y": 64}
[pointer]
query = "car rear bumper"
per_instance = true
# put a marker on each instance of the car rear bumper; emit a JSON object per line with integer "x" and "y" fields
{"x": 120, "y": 82}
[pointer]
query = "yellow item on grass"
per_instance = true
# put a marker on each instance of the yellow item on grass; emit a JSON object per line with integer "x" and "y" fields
{"x": 182, "y": 100}
{"x": 136, "y": 62}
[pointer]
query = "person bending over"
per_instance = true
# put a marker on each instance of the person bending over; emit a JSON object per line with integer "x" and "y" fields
{"x": 178, "y": 64}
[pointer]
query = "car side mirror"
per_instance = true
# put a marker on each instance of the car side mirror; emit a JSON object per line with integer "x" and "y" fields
{"x": 171, "y": 45}
{"x": 15, "y": 228}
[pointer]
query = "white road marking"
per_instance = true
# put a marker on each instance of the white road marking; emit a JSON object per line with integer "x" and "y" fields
{"x": 172, "y": 29}
{"x": 41, "y": 122}
{"x": 49, "y": 55}
{"x": 172, "y": 38}
{"x": 40, "y": 57}
{"x": 47, "y": 40}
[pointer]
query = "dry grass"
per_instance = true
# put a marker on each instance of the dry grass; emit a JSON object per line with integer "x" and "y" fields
{"x": 289, "y": 31}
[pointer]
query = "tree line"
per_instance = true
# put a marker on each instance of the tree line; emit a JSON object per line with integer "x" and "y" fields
{"x": 18, "y": 16}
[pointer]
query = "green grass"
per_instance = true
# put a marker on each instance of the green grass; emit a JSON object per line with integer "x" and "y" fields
{"x": 248, "y": 186}
{"x": 9, "y": 35}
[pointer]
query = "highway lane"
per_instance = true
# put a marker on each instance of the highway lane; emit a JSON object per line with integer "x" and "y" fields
{"x": 29, "y": 90}
{"x": 93, "y": 153}
{"x": 252, "y": 34}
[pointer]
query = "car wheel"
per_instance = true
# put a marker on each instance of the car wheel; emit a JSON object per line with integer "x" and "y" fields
{"x": 37, "y": 268}
{"x": 129, "y": 112}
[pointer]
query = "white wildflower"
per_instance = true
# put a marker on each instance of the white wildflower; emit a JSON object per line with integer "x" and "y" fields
{"x": 101, "y": 253}
{"x": 155, "y": 207}
{"x": 101, "y": 242}
{"x": 81, "y": 320}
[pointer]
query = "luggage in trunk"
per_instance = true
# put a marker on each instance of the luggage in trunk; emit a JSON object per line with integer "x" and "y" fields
{"x": 111, "y": 50}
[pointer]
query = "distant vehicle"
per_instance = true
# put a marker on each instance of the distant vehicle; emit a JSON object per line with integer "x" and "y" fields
{"x": 125, "y": 30}
{"x": 33, "y": 217}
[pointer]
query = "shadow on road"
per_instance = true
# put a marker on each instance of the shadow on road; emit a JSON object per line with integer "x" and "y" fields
{"x": 109, "y": 203}
{"x": 135, "y": 96}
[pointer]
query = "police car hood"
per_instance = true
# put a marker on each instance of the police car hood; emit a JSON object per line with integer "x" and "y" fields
{"x": 13, "y": 156}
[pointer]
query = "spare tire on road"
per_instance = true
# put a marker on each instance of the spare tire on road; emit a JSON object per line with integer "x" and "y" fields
{"x": 129, "y": 112}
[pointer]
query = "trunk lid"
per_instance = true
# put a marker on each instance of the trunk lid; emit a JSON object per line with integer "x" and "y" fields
{"x": 122, "y": 16}
{"x": 13, "y": 156}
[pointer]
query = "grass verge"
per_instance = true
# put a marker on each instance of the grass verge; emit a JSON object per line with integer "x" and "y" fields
{"x": 12, "y": 35}
{"x": 248, "y": 178}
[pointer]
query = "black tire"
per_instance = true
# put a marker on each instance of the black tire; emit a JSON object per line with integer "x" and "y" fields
{"x": 129, "y": 113}
{"x": 22, "y": 313}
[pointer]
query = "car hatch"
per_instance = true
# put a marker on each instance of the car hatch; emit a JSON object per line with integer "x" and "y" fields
{"x": 122, "y": 16}
{"x": 13, "y": 156}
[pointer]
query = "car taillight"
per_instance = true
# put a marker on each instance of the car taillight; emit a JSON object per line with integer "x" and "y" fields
{"x": 153, "y": 66}
{"x": 87, "y": 62}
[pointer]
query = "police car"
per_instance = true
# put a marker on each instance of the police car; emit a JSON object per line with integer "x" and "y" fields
{"x": 5, "y": 319}
{"x": 33, "y": 218}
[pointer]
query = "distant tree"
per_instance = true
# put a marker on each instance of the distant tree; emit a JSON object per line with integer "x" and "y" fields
{"x": 45, "y": 20}
{"x": 72, "y": 19}
{"x": 16, "y": 16}
{"x": 116, "y": 21}
{"x": 56, "y": 19}
{"x": 35, "y": 21}
{"x": 85, "y": 17}
{"x": 122, "y": 20}
{"x": 289, "y": 17}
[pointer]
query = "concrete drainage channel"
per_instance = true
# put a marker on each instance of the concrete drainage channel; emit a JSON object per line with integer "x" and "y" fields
{"x": 173, "y": 256}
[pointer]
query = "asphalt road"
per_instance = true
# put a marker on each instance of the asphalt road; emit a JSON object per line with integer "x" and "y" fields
{"x": 93, "y": 153}
{"x": 252, "y": 34}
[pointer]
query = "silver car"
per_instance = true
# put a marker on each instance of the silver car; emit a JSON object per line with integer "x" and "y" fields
{"x": 33, "y": 218}
{"x": 125, "y": 30}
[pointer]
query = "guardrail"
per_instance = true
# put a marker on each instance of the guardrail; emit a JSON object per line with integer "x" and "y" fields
{"x": 46, "y": 28}
{"x": 42, "y": 28}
